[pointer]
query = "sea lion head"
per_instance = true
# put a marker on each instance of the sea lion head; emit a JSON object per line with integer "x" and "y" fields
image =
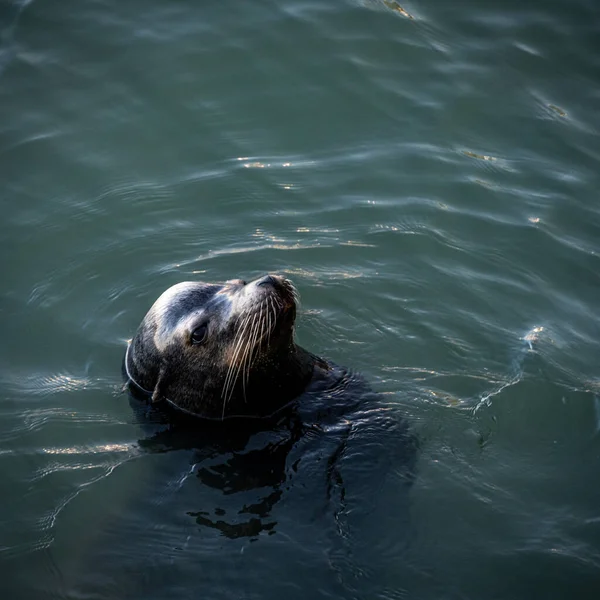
{"x": 221, "y": 350}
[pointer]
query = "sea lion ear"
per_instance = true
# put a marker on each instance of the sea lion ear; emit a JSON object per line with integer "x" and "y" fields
{"x": 157, "y": 394}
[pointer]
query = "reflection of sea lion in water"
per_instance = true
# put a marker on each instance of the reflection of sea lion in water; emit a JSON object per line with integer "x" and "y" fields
{"x": 222, "y": 351}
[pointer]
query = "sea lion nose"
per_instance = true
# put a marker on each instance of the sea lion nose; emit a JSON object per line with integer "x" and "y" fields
{"x": 267, "y": 280}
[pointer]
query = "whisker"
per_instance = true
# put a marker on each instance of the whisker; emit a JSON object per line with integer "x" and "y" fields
{"x": 251, "y": 349}
{"x": 233, "y": 370}
{"x": 253, "y": 334}
{"x": 270, "y": 326}
{"x": 237, "y": 346}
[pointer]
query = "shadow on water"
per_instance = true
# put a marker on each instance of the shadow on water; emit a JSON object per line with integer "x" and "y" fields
{"x": 335, "y": 435}
{"x": 327, "y": 483}
{"x": 233, "y": 459}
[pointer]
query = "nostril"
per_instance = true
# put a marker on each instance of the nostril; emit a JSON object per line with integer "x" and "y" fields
{"x": 267, "y": 280}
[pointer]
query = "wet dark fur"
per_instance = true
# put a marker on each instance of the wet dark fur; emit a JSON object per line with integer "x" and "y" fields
{"x": 197, "y": 379}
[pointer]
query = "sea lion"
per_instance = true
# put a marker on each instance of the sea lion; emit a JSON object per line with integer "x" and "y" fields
{"x": 220, "y": 351}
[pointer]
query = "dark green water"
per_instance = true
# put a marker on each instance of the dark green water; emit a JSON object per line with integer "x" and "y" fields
{"x": 431, "y": 186}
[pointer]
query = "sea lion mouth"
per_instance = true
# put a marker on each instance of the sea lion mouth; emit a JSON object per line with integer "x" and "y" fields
{"x": 278, "y": 297}
{"x": 267, "y": 315}
{"x": 269, "y": 309}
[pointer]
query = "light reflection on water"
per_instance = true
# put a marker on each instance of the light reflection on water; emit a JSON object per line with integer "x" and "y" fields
{"x": 427, "y": 176}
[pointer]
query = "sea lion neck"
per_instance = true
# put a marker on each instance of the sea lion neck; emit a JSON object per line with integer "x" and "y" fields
{"x": 281, "y": 378}
{"x": 300, "y": 364}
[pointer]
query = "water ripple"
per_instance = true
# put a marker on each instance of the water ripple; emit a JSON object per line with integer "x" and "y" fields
{"x": 427, "y": 176}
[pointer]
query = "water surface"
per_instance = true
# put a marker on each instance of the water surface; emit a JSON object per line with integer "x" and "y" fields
{"x": 426, "y": 173}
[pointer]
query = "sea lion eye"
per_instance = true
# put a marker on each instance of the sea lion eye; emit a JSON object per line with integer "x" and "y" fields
{"x": 199, "y": 334}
